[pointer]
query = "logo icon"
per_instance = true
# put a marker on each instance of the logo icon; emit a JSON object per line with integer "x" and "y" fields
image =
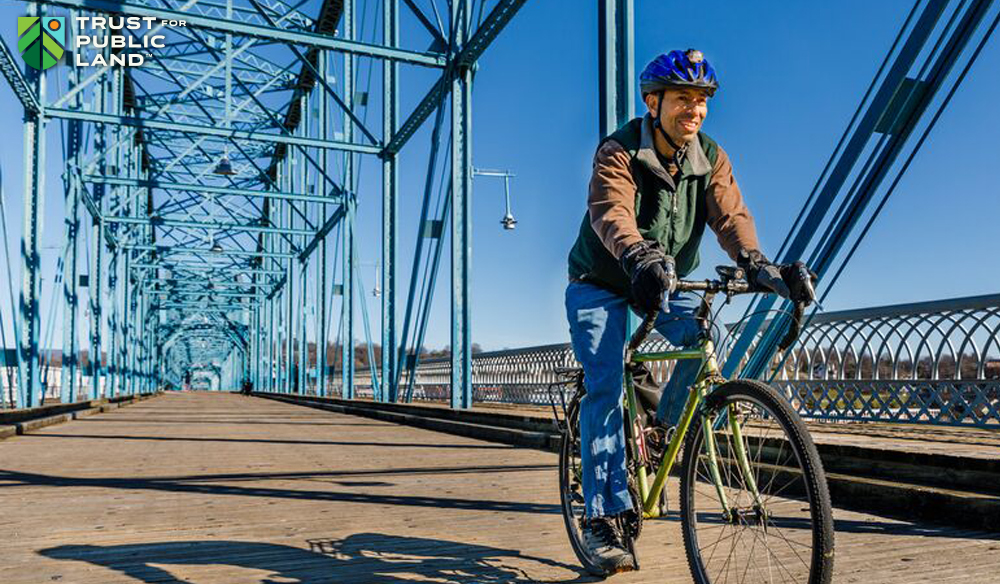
{"x": 41, "y": 40}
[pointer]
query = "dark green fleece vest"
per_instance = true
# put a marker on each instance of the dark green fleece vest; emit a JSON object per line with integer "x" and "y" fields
{"x": 672, "y": 214}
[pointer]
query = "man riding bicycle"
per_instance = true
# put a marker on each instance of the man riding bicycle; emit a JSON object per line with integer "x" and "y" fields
{"x": 656, "y": 183}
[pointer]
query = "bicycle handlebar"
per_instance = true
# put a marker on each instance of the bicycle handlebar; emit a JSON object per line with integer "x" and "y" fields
{"x": 732, "y": 284}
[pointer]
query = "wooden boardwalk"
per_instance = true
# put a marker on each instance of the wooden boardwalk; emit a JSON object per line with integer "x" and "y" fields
{"x": 220, "y": 488}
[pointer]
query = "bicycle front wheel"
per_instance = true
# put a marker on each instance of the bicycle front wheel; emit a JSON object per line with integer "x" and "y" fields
{"x": 754, "y": 501}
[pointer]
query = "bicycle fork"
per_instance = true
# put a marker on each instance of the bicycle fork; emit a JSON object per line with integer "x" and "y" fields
{"x": 650, "y": 493}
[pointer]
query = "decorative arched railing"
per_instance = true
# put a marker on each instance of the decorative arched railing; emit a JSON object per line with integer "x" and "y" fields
{"x": 931, "y": 362}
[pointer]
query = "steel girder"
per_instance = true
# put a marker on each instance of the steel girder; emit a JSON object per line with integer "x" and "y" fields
{"x": 192, "y": 129}
{"x": 147, "y": 147}
{"x": 248, "y": 28}
{"x": 882, "y": 127}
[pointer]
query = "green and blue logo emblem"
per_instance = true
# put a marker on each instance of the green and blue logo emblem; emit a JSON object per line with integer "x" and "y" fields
{"x": 41, "y": 40}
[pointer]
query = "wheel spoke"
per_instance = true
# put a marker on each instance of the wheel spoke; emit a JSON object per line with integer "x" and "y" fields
{"x": 780, "y": 546}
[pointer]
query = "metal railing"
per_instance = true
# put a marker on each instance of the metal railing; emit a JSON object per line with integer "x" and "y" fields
{"x": 930, "y": 362}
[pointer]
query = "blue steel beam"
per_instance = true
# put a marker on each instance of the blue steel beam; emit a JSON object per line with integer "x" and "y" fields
{"x": 322, "y": 81}
{"x": 405, "y": 362}
{"x": 347, "y": 231}
{"x": 461, "y": 221}
{"x": 196, "y": 268}
{"x": 160, "y": 222}
{"x": 174, "y": 249}
{"x": 22, "y": 90}
{"x": 871, "y": 176}
{"x": 616, "y": 76}
{"x": 71, "y": 299}
{"x": 390, "y": 202}
{"x": 206, "y": 293}
{"x": 234, "y": 191}
{"x": 258, "y": 31}
{"x": 209, "y": 131}
{"x": 435, "y": 33}
{"x": 616, "y": 69}
{"x": 321, "y": 299}
{"x": 494, "y": 23}
{"x": 34, "y": 187}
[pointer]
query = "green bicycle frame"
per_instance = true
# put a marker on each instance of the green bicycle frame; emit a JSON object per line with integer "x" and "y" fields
{"x": 708, "y": 375}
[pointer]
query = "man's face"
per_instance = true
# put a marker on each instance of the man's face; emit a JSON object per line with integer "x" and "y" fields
{"x": 682, "y": 113}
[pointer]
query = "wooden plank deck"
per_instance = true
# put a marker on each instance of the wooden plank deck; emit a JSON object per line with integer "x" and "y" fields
{"x": 220, "y": 488}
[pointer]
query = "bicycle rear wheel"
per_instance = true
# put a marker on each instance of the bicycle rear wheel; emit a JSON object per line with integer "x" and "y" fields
{"x": 571, "y": 486}
{"x": 768, "y": 520}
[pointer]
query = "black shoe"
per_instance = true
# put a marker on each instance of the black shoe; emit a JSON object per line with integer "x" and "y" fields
{"x": 604, "y": 546}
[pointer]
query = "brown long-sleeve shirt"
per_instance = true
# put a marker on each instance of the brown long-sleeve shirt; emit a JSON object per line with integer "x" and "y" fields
{"x": 612, "y": 203}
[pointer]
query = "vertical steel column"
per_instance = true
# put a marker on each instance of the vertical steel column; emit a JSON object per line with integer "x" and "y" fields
{"x": 303, "y": 340}
{"x": 461, "y": 218}
{"x": 128, "y": 308}
{"x": 300, "y": 183}
{"x": 95, "y": 285}
{"x": 34, "y": 191}
{"x": 114, "y": 265}
{"x": 260, "y": 362}
{"x": 112, "y": 374}
{"x": 255, "y": 336}
{"x": 289, "y": 283}
{"x": 96, "y": 276}
{"x": 347, "y": 305}
{"x": 616, "y": 76}
{"x": 71, "y": 202}
{"x": 321, "y": 299}
{"x": 127, "y": 314}
{"x": 272, "y": 357}
{"x": 347, "y": 231}
{"x": 263, "y": 373}
{"x": 390, "y": 203}
{"x": 616, "y": 71}
{"x": 135, "y": 340}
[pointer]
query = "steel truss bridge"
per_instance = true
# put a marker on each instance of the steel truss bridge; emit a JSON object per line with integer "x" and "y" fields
{"x": 210, "y": 194}
{"x": 210, "y": 241}
{"x": 216, "y": 187}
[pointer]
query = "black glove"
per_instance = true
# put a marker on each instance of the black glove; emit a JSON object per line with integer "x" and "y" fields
{"x": 801, "y": 282}
{"x": 793, "y": 281}
{"x": 651, "y": 273}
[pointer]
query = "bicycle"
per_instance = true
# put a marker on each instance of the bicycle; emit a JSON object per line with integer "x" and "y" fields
{"x": 749, "y": 465}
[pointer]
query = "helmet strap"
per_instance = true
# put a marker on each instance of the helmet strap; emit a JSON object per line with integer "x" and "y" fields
{"x": 679, "y": 151}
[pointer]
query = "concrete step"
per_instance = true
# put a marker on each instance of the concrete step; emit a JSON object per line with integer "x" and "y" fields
{"x": 24, "y": 421}
{"x": 912, "y": 502}
{"x": 898, "y": 464}
{"x": 458, "y": 425}
{"x": 900, "y": 481}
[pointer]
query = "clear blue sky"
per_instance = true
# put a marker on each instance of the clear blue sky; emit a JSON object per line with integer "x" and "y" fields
{"x": 791, "y": 74}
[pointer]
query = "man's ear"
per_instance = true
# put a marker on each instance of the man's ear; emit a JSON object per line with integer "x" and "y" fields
{"x": 651, "y": 101}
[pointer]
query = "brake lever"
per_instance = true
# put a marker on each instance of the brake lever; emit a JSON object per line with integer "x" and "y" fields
{"x": 795, "y": 328}
{"x": 806, "y": 276}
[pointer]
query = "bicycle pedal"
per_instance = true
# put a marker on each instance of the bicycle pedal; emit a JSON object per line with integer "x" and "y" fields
{"x": 626, "y": 566}
{"x": 631, "y": 567}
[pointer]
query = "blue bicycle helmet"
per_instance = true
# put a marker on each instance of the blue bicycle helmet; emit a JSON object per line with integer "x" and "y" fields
{"x": 678, "y": 69}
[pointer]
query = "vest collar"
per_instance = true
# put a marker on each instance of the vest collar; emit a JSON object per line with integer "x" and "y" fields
{"x": 695, "y": 162}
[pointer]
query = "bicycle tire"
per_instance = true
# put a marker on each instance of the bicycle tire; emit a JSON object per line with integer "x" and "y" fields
{"x": 571, "y": 488}
{"x": 777, "y": 516}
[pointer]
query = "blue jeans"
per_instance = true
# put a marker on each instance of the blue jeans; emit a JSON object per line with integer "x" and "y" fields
{"x": 597, "y": 321}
